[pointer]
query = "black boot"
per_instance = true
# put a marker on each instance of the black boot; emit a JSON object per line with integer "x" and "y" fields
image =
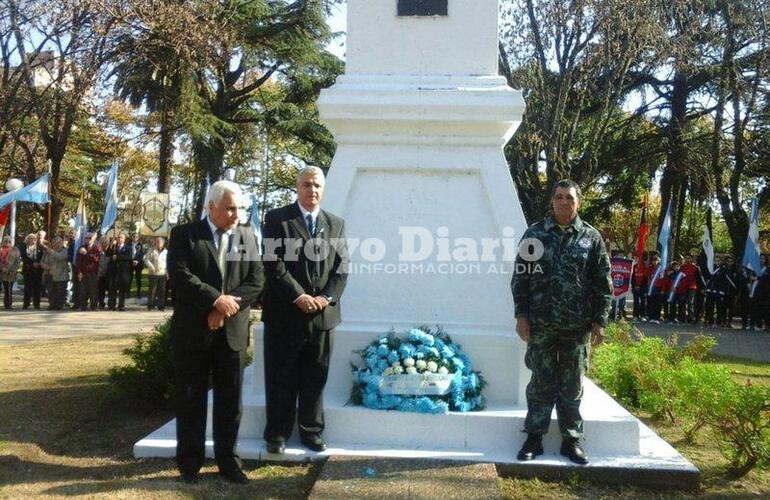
{"x": 532, "y": 447}
{"x": 571, "y": 449}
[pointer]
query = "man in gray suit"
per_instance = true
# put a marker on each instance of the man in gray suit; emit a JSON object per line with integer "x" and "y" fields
{"x": 305, "y": 261}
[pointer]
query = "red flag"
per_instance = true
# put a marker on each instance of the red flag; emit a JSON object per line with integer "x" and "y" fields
{"x": 644, "y": 230}
{"x": 5, "y": 215}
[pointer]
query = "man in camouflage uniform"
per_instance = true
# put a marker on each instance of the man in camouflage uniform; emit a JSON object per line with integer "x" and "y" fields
{"x": 562, "y": 291}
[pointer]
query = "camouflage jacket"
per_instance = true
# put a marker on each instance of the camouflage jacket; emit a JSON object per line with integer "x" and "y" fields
{"x": 563, "y": 284}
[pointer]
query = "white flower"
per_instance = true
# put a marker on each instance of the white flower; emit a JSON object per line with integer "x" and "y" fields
{"x": 409, "y": 362}
{"x": 396, "y": 364}
{"x": 397, "y": 370}
{"x": 411, "y": 370}
{"x": 443, "y": 370}
{"x": 421, "y": 365}
{"x": 387, "y": 371}
{"x": 432, "y": 366}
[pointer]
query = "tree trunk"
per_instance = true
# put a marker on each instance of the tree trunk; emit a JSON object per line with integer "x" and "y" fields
{"x": 166, "y": 151}
{"x": 676, "y": 164}
{"x": 209, "y": 160}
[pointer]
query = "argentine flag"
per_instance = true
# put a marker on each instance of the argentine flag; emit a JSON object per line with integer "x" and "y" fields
{"x": 751, "y": 258}
{"x": 110, "y": 199}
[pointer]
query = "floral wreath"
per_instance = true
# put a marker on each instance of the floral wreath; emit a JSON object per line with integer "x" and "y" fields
{"x": 421, "y": 356}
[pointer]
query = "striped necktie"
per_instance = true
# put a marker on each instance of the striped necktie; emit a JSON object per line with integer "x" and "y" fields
{"x": 310, "y": 225}
{"x": 221, "y": 256}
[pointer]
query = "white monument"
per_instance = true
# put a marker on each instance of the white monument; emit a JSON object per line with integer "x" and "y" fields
{"x": 420, "y": 118}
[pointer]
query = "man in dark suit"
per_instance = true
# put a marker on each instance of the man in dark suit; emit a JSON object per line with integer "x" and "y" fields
{"x": 215, "y": 288}
{"x": 305, "y": 261}
{"x": 119, "y": 273}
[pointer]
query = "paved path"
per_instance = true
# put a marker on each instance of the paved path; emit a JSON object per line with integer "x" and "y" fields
{"x": 754, "y": 345}
{"x": 20, "y": 326}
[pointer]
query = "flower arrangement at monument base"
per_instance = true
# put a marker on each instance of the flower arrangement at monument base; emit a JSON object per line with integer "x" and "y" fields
{"x": 420, "y": 370}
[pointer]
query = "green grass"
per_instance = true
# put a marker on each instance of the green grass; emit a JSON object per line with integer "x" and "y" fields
{"x": 66, "y": 432}
{"x": 743, "y": 370}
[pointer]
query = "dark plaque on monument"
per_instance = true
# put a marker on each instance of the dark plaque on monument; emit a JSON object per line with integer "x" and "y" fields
{"x": 422, "y": 7}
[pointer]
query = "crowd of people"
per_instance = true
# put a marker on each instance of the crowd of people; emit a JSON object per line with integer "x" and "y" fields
{"x": 683, "y": 292}
{"x": 91, "y": 275}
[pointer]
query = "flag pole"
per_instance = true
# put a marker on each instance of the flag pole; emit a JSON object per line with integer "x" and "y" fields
{"x": 50, "y": 202}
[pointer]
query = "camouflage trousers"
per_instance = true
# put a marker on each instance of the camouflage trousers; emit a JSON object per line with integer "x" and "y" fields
{"x": 558, "y": 360}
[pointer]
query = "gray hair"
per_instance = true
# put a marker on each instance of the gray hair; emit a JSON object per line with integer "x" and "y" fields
{"x": 309, "y": 171}
{"x": 30, "y": 237}
{"x": 7, "y": 238}
{"x": 217, "y": 191}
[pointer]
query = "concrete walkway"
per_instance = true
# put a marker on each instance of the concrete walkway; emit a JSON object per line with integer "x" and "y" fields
{"x": 20, "y": 326}
{"x": 745, "y": 344}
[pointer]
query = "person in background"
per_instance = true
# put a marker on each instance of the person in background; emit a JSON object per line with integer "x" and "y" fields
{"x": 56, "y": 266}
{"x": 107, "y": 244}
{"x": 760, "y": 305}
{"x": 659, "y": 287}
{"x": 45, "y": 277}
{"x": 10, "y": 258}
{"x": 720, "y": 291}
{"x": 72, "y": 248}
{"x": 31, "y": 271}
{"x": 119, "y": 273}
{"x": 673, "y": 298}
{"x": 691, "y": 276}
{"x": 639, "y": 287}
{"x": 87, "y": 267}
{"x": 155, "y": 262}
{"x": 137, "y": 263}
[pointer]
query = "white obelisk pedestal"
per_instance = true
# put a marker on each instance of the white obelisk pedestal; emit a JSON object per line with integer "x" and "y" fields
{"x": 420, "y": 118}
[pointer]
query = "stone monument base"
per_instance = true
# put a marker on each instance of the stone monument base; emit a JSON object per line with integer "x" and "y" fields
{"x": 616, "y": 441}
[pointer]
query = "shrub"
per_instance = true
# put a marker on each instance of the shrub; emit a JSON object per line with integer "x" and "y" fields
{"x": 675, "y": 382}
{"x": 740, "y": 421}
{"x": 150, "y": 376}
{"x": 697, "y": 385}
{"x": 699, "y": 347}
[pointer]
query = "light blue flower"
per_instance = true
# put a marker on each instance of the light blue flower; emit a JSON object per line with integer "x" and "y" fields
{"x": 438, "y": 344}
{"x": 393, "y": 357}
{"x": 446, "y": 352}
{"x": 371, "y": 400}
{"x": 458, "y": 364}
{"x": 381, "y": 365}
{"x": 383, "y": 351}
{"x": 433, "y": 352}
{"x": 390, "y": 401}
{"x": 417, "y": 335}
{"x": 463, "y": 406}
{"x": 471, "y": 382}
{"x": 406, "y": 351}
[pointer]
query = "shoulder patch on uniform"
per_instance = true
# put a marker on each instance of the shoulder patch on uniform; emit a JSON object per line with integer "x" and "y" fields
{"x": 585, "y": 243}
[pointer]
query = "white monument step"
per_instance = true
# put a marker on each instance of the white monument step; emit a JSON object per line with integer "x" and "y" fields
{"x": 612, "y": 435}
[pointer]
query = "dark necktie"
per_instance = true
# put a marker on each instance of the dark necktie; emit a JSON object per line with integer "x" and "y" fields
{"x": 310, "y": 225}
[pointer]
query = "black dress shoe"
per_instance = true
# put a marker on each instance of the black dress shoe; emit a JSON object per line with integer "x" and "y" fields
{"x": 189, "y": 477}
{"x": 314, "y": 443}
{"x": 234, "y": 476}
{"x": 532, "y": 447}
{"x": 571, "y": 449}
{"x": 276, "y": 446}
